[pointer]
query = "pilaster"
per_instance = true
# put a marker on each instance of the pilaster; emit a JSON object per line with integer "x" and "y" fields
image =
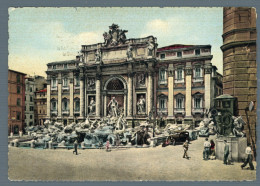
{"x": 188, "y": 71}
{"x": 171, "y": 91}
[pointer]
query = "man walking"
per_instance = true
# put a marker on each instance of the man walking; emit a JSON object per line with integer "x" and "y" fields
{"x": 185, "y": 148}
{"x": 76, "y": 147}
{"x": 226, "y": 152}
{"x": 206, "y": 149}
{"x": 249, "y": 158}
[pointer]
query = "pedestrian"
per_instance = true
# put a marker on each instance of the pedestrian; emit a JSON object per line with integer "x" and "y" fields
{"x": 185, "y": 148}
{"x": 226, "y": 152}
{"x": 249, "y": 158}
{"x": 75, "y": 147}
{"x": 107, "y": 146}
{"x": 206, "y": 150}
{"x": 212, "y": 150}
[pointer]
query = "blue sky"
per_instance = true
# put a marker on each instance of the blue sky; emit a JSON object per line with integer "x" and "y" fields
{"x": 38, "y": 36}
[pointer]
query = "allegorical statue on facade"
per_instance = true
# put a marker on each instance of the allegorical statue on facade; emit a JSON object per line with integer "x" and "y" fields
{"x": 150, "y": 47}
{"x": 141, "y": 105}
{"x": 113, "y": 104}
{"x": 91, "y": 83}
{"x": 98, "y": 56}
{"x": 141, "y": 79}
{"x": 129, "y": 52}
{"x": 92, "y": 106}
{"x": 115, "y": 36}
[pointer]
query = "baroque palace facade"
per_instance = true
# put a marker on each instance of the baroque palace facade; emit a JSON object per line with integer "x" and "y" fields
{"x": 133, "y": 77}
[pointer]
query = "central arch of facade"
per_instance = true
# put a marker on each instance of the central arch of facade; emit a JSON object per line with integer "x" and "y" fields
{"x": 115, "y": 87}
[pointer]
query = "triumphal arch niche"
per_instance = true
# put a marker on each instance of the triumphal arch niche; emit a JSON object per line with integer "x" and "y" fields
{"x": 118, "y": 75}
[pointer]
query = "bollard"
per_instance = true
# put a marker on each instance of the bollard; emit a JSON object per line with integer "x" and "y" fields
{"x": 32, "y": 144}
{"x": 11, "y": 134}
{"x": 20, "y": 133}
{"x": 50, "y": 144}
{"x": 82, "y": 145}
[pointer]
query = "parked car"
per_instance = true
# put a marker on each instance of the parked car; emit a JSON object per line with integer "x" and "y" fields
{"x": 193, "y": 134}
{"x": 178, "y": 136}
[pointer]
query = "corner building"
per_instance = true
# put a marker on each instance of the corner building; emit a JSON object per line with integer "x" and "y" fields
{"x": 177, "y": 82}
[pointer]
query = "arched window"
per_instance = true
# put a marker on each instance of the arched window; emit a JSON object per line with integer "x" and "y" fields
{"x": 53, "y": 104}
{"x": 179, "y": 102}
{"x": 65, "y": 104}
{"x": 76, "y": 104}
{"x": 115, "y": 84}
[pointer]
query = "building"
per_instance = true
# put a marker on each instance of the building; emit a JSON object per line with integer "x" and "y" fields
{"x": 176, "y": 82}
{"x": 32, "y": 85}
{"x": 29, "y": 101}
{"x": 40, "y": 106}
{"x": 239, "y": 60}
{"x": 16, "y": 101}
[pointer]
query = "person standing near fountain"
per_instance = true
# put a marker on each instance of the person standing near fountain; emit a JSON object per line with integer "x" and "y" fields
{"x": 226, "y": 152}
{"x": 206, "y": 149}
{"x": 76, "y": 147}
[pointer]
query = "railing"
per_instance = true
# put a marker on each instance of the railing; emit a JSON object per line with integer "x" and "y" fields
{"x": 65, "y": 111}
{"x": 54, "y": 88}
{"x": 54, "y": 112}
{"x": 76, "y": 111}
{"x": 197, "y": 79}
{"x": 163, "y": 111}
{"x": 76, "y": 87}
{"x": 65, "y": 88}
{"x": 162, "y": 82}
{"x": 198, "y": 110}
{"x": 179, "y": 110}
{"x": 179, "y": 80}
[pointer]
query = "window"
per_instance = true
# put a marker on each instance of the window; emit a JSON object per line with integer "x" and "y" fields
{"x": 18, "y": 115}
{"x": 18, "y": 78}
{"x": 77, "y": 84}
{"x": 197, "y": 52}
{"x": 31, "y": 108}
{"x": 65, "y": 82}
{"x": 65, "y": 66}
{"x": 24, "y": 116}
{"x": 77, "y": 105}
{"x": 179, "y": 54}
{"x": 197, "y": 103}
{"x": 54, "y": 66}
{"x": 162, "y": 104}
{"x": 53, "y": 83}
{"x": 65, "y": 105}
{"x": 162, "y": 56}
{"x": 179, "y": 73}
{"x": 162, "y": 76}
{"x": 40, "y": 111}
{"x": 197, "y": 72}
{"x": 31, "y": 116}
{"x": 18, "y": 89}
{"x": 24, "y": 98}
{"x": 18, "y": 102}
{"x": 179, "y": 103}
{"x": 53, "y": 105}
{"x": 31, "y": 99}
{"x": 31, "y": 123}
{"x": 31, "y": 89}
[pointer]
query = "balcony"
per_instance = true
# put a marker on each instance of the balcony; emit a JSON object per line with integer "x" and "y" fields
{"x": 54, "y": 88}
{"x": 65, "y": 88}
{"x": 163, "y": 82}
{"x": 198, "y": 79}
{"x": 179, "y": 80}
{"x": 179, "y": 110}
{"x": 65, "y": 111}
{"x": 54, "y": 112}
{"x": 198, "y": 111}
{"x": 76, "y": 111}
{"x": 162, "y": 111}
{"x": 76, "y": 87}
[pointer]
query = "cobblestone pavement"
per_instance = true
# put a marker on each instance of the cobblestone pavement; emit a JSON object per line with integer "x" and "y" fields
{"x": 122, "y": 164}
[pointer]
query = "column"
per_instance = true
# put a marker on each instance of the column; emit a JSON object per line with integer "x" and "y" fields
{"x": 170, "y": 90}
{"x": 81, "y": 96}
{"x": 125, "y": 103}
{"x": 98, "y": 96}
{"x": 105, "y": 104}
{"x": 150, "y": 91}
{"x": 59, "y": 96}
{"x": 71, "y": 96}
{"x": 208, "y": 71}
{"x": 130, "y": 95}
{"x": 48, "y": 99}
{"x": 188, "y": 99}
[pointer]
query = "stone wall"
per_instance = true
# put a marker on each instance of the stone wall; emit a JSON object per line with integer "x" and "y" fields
{"x": 239, "y": 59}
